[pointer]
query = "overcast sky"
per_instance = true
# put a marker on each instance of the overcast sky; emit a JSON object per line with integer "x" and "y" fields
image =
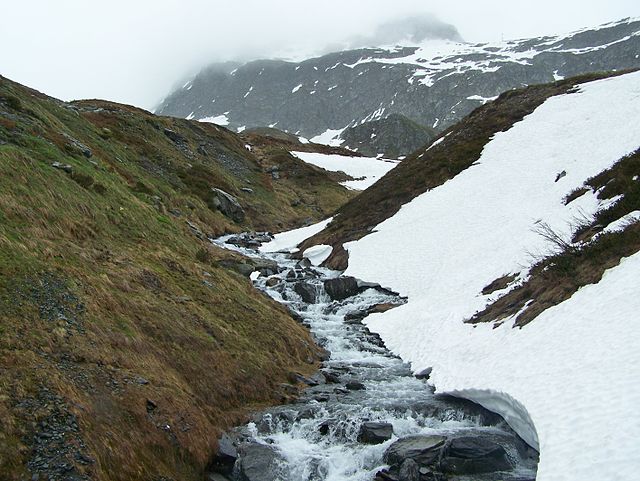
{"x": 135, "y": 51}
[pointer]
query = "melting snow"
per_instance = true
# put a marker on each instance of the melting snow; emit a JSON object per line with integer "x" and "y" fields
{"x": 287, "y": 241}
{"x": 317, "y": 254}
{"x": 366, "y": 169}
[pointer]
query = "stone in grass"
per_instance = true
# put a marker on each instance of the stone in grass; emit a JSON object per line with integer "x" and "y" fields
{"x": 65, "y": 167}
{"x": 375, "y": 432}
{"x": 227, "y": 205}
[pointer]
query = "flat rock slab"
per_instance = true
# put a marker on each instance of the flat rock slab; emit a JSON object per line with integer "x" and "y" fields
{"x": 475, "y": 455}
{"x": 424, "y": 450}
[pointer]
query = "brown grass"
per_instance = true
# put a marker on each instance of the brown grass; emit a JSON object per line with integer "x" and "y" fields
{"x": 211, "y": 352}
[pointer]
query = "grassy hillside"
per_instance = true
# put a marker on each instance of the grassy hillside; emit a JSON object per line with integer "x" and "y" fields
{"x": 125, "y": 344}
{"x": 455, "y": 150}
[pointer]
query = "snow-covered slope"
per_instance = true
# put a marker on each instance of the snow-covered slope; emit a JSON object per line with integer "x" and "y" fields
{"x": 573, "y": 372}
{"x": 365, "y": 170}
{"x": 567, "y": 381}
{"x": 434, "y": 83}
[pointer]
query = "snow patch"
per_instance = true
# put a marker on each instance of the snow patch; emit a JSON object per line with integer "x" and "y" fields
{"x": 567, "y": 381}
{"x": 366, "y": 170}
{"x": 624, "y": 221}
{"x": 221, "y": 119}
{"x": 329, "y": 137}
{"x": 287, "y": 241}
{"x": 317, "y": 254}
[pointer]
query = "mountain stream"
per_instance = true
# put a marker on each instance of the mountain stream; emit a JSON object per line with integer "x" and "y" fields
{"x": 364, "y": 416}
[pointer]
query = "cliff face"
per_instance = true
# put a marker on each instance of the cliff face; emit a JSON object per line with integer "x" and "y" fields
{"x": 435, "y": 83}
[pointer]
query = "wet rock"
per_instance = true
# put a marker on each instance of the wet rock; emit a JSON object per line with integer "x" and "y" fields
{"x": 424, "y": 374}
{"x": 250, "y": 240}
{"x": 331, "y": 377}
{"x": 227, "y": 205}
{"x": 424, "y": 450}
{"x": 296, "y": 377}
{"x": 258, "y": 462}
{"x": 245, "y": 266}
{"x": 306, "y": 291}
{"x": 325, "y": 426}
{"x": 474, "y": 455}
{"x": 385, "y": 475}
{"x": 303, "y": 264}
{"x": 273, "y": 281}
{"x": 409, "y": 471}
{"x": 355, "y": 386}
{"x": 289, "y": 390}
{"x": 341, "y": 287}
{"x": 322, "y": 398}
{"x": 225, "y": 458}
{"x": 375, "y": 432}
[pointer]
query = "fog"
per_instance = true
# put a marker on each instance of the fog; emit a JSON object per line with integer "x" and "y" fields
{"x": 135, "y": 51}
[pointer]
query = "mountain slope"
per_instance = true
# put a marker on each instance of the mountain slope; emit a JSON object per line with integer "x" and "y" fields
{"x": 128, "y": 341}
{"x": 435, "y": 84}
{"x": 392, "y": 137}
{"x": 521, "y": 265}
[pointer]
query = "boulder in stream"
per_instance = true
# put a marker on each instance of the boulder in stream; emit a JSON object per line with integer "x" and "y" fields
{"x": 258, "y": 462}
{"x": 424, "y": 450}
{"x": 375, "y": 432}
{"x": 474, "y": 455}
{"x": 341, "y": 287}
{"x": 306, "y": 291}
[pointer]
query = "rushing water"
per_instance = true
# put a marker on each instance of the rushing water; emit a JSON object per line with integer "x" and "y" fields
{"x": 316, "y": 437}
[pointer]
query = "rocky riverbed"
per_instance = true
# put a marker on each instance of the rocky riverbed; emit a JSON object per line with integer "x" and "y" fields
{"x": 364, "y": 416}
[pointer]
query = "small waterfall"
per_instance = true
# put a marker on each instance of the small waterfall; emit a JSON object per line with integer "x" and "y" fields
{"x": 330, "y": 433}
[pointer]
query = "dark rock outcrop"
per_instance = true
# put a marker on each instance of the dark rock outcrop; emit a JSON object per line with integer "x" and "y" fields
{"x": 375, "y": 432}
{"x": 341, "y": 287}
{"x": 424, "y": 450}
{"x": 306, "y": 291}
{"x": 225, "y": 458}
{"x": 228, "y": 205}
{"x": 474, "y": 455}
{"x": 258, "y": 462}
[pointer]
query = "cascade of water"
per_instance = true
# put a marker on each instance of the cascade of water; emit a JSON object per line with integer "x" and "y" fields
{"x": 327, "y": 433}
